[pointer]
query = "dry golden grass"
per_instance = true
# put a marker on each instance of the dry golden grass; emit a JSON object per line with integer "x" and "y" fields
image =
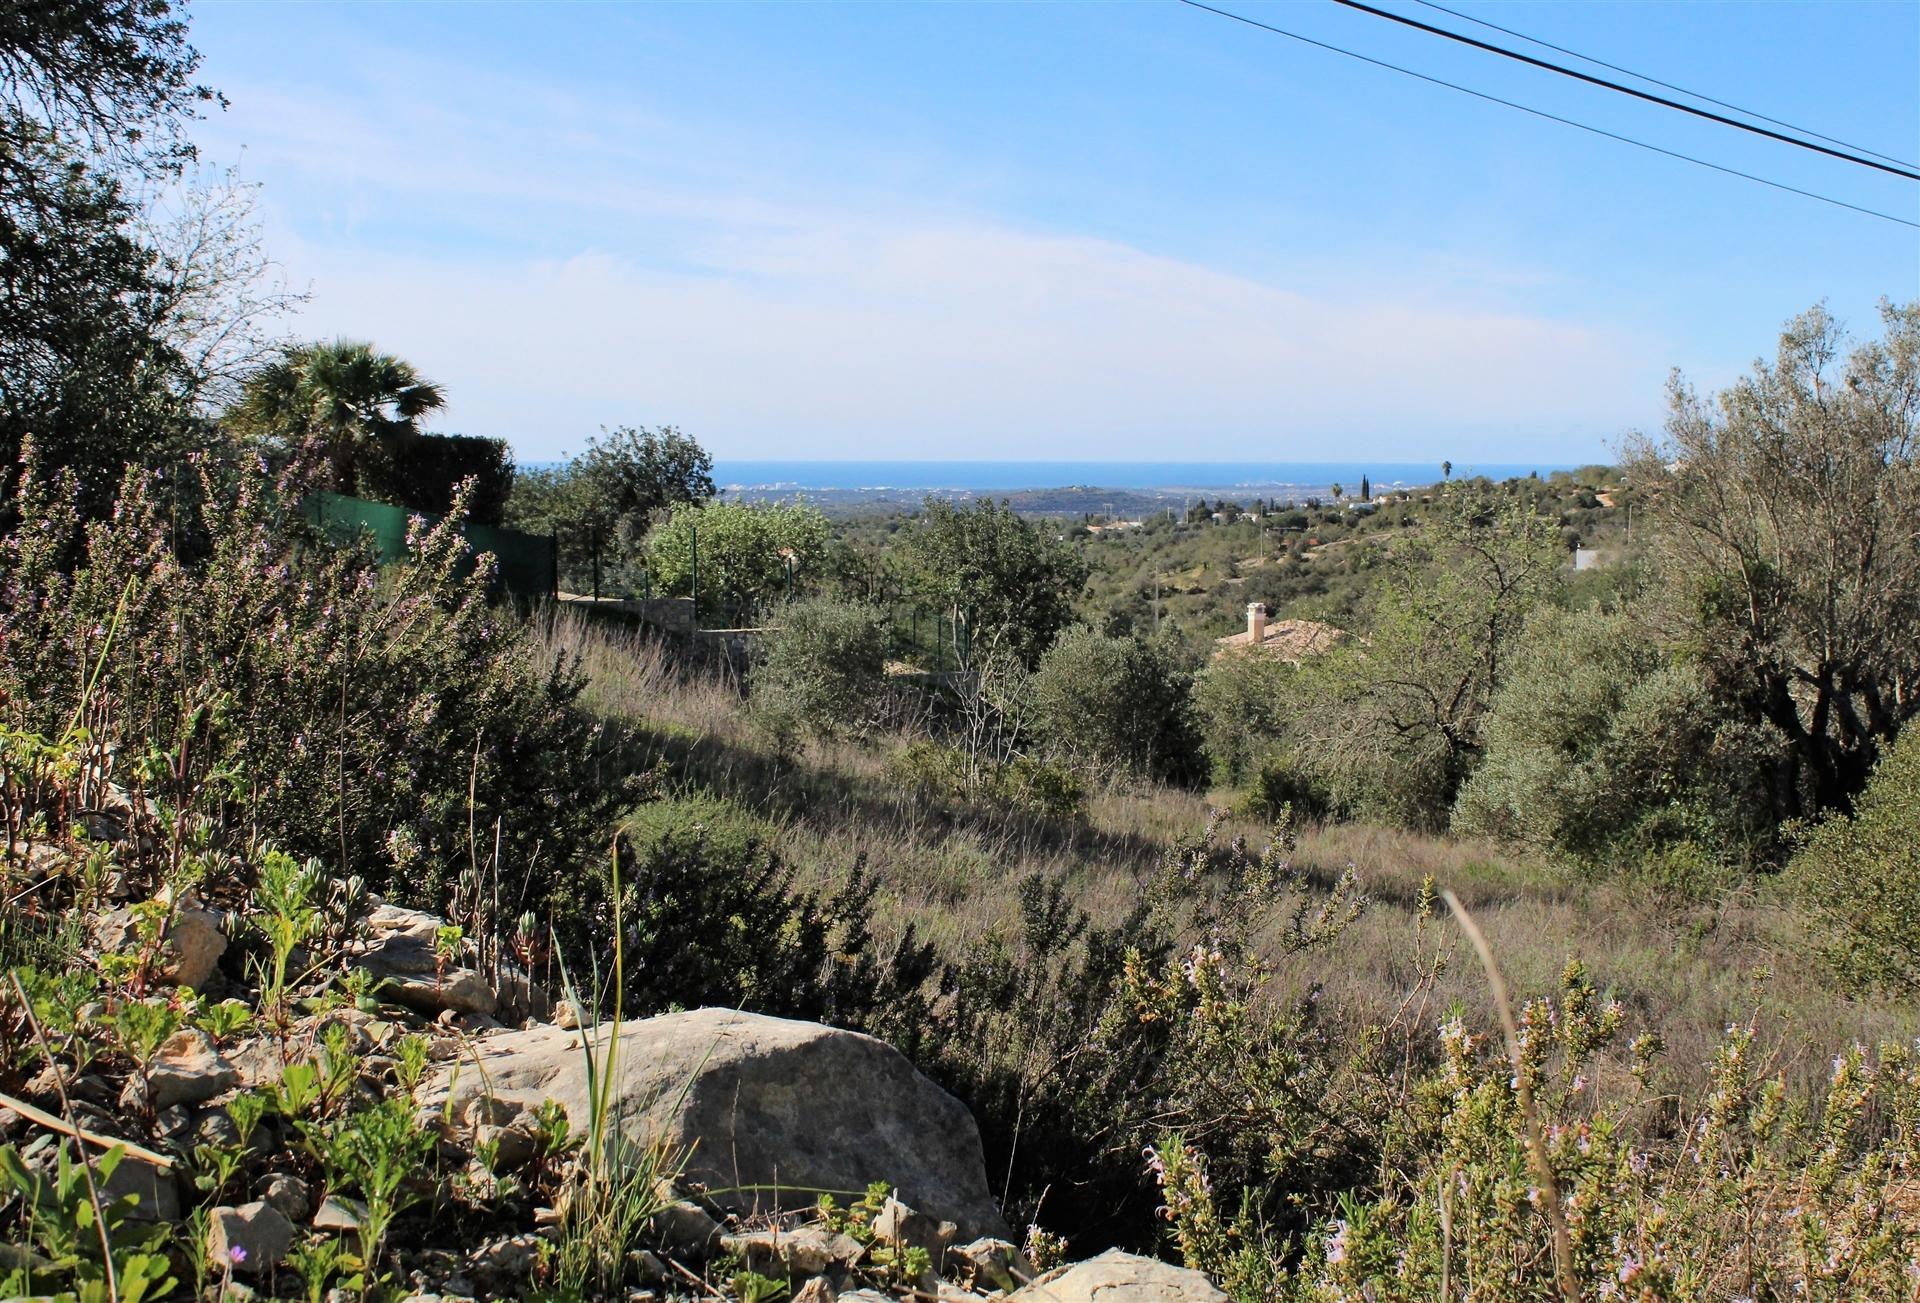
{"x": 1684, "y": 970}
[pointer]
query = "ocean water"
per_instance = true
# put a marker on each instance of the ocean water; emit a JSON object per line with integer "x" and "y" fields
{"x": 1007, "y": 476}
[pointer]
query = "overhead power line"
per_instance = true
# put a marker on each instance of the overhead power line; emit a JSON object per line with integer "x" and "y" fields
{"x": 1641, "y": 76}
{"x": 1551, "y": 117}
{"x": 1648, "y": 96}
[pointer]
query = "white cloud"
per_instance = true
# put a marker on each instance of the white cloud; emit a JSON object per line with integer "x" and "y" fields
{"x": 847, "y": 339}
{"x": 775, "y": 309}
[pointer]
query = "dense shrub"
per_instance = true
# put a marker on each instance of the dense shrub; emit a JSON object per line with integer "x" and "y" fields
{"x": 1860, "y": 875}
{"x": 1748, "y": 1197}
{"x": 1010, "y": 580}
{"x": 1241, "y": 702}
{"x": 1076, "y": 1044}
{"x": 823, "y": 671}
{"x": 713, "y": 917}
{"x": 1117, "y": 704}
{"x": 739, "y": 552}
{"x": 1602, "y": 748}
{"x": 945, "y": 776}
{"x": 1285, "y": 787}
{"x": 392, "y": 722}
{"x": 427, "y": 471}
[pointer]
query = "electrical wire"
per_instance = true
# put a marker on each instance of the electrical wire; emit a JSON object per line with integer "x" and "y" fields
{"x": 1721, "y": 118}
{"x": 1655, "y": 81}
{"x": 1551, "y": 117}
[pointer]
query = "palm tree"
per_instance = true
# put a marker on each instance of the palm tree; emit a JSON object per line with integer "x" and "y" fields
{"x": 1446, "y": 470}
{"x": 343, "y": 399}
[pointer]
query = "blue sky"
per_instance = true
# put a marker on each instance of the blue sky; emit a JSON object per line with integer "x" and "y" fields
{"x": 1060, "y": 231}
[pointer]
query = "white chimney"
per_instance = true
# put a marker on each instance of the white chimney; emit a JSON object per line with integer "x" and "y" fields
{"x": 1256, "y": 622}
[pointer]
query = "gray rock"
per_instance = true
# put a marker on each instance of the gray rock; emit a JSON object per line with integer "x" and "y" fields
{"x": 400, "y": 953}
{"x": 817, "y": 1290}
{"x": 511, "y": 1256}
{"x": 188, "y": 1070}
{"x": 288, "y": 1194}
{"x": 900, "y": 1225}
{"x": 157, "y": 1195}
{"x": 253, "y": 1237}
{"x": 767, "y": 1111}
{"x": 189, "y": 953}
{"x": 513, "y": 1146}
{"x": 992, "y": 1264}
{"x": 806, "y": 1251}
{"x": 339, "y": 1213}
{"x": 1116, "y": 1277}
{"x": 683, "y": 1230}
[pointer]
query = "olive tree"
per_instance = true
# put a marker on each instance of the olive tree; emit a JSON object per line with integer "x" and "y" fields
{"x": 1011, "y": 581}
{"x": 1860, "y": 876}
{"x": 1602, "y": 747}
{"x": 742, "y": 551}
{"x": 823, "y": 671}
{"x": 1116, "y": 703}
{"x": 1392, "y": 720}
{"x": 1788, "y": 508}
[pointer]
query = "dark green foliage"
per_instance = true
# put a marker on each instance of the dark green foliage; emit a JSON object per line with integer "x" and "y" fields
{"x": 716, "y": 919}
{"x": 1860, "y": 876}
{"x": 85, "y": 370}
{"x": 301, "y": 690}
{"x": 343, "y": 402}
{"x": 1013, "y": 583}
{"x": 1116, "y": 703}
{"x": 1789, "y": 508}
{"x": 601, "y": 503}
{"x": 1603, "y": 748}
{"x": 114, "y": 76}
{"x": 1241, "y": 700}
{"x": 424, "y": 474}
{"x": 823, "y": 671}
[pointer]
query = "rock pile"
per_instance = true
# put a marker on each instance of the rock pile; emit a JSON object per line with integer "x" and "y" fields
{"x": 780, "y": 1153}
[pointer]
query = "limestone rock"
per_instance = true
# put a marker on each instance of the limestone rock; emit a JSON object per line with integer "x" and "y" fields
{"x": 805, "y": 1251}
{"x": 188, "y": 1070}
{"x": 400, "y": 953}
{"x": 253, "y": 1237}
{"x": 767, "y": 1111}
{"x": 683, "y": 1230}
{"x": 339, "y": 1213}
{"x": 1116, "y": 1277}
{"x": 817, "y": 1290}
{"x": 157, "y": 1196}
{"x": 993, "y": 1264}
{"x": 900, "y": 1225}
{"x": 190, "y": 951}
{"x": 288, "y": 1194}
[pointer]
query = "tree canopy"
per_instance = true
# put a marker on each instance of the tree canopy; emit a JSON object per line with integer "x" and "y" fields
{"x": 1790, "y": 514}
{"x": 344, "y": 400}
{"x": 744, "y": 550}
{"x": 1008, "y": 578}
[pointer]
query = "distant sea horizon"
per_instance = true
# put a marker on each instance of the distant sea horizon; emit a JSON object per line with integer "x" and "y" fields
{"x": 743, "y": 474}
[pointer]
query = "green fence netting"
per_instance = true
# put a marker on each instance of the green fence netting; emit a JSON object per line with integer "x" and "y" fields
{"x": 527, "y": 563}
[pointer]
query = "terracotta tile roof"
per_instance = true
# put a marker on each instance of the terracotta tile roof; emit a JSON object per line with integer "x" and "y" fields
{"x": 1290, "y": 640}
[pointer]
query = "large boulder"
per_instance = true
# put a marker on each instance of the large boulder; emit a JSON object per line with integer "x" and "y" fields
{"x": 1117, "y": 1277}
{"x": 768, "y": 1112}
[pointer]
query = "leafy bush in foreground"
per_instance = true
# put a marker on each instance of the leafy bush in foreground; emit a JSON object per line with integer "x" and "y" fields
{"x": 393, "y": 723}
